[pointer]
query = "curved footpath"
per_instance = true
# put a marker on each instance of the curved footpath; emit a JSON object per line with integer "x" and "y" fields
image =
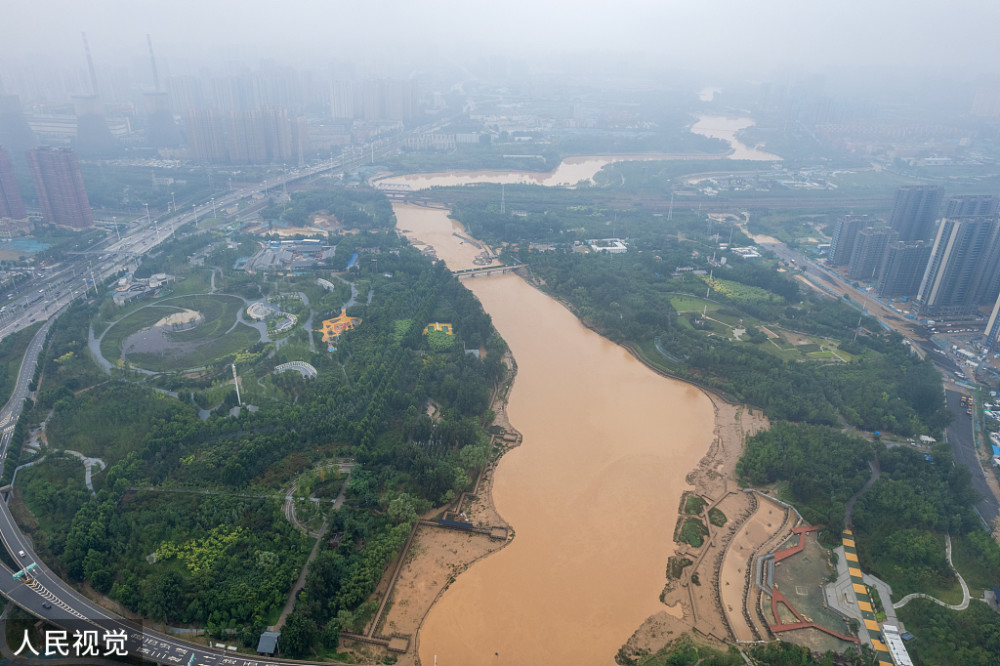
{"x": 849, "y": 509}
{"x": 876, "y": 471}
{"x": 961, "y": 581}
{"x": 47, "y": 597}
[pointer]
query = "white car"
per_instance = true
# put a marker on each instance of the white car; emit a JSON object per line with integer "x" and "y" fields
{"x": 20, "y": 553}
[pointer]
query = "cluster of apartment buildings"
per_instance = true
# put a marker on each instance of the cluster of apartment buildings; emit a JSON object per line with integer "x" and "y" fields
{"x": 271, "y": 117}
{"x": 59, "y": 187}
{"x": 945, "y": 253}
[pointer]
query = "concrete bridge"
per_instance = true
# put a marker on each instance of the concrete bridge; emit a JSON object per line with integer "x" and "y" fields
{"x": 487, "y": 270}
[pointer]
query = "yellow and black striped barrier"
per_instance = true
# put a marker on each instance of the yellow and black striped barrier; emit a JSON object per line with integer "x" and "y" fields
{"x": 864, "y": 601}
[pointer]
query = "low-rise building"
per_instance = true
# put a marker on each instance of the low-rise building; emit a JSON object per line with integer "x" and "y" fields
{"x": 130, "y": 289}
{"x": 609, "y": 245}
{"x": 267, "y": 646}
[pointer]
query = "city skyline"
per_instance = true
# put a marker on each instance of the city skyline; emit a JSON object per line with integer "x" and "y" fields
{"x": 723, "y": 36}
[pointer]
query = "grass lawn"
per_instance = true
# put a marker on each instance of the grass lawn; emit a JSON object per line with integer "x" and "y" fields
{"x": 694, "y": 504}
{"x": 949, "y": 595}
{"x": 213, "y": 338}
{"x": 219, "y": 313}
{"x": 237, "y": 340}
{"x": 210, "y": 222}
{"x": 692, "y": 304}
{"x": 979, "y": 572}
{"x": 197, "y": 282}
{"x": 111, "y": 345}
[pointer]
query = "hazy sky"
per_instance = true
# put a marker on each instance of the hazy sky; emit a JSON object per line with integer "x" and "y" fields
{"x": 688, "y": 34}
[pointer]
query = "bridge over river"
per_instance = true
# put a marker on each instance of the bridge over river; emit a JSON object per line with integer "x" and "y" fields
{"x": 487, "y": 270}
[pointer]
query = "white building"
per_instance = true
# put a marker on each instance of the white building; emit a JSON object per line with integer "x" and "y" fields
{"x": 609, "y": 245}
{"x": 895, "y": 645}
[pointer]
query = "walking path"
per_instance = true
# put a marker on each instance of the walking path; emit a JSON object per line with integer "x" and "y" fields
{"x": 849, "y": 509}
{"x": 290, "y": 498}
{"x": 94, "y": 342}
{"x": 88, "y": 464}
{"x": 301, "y": 582}
{"x": 961, "y": 581}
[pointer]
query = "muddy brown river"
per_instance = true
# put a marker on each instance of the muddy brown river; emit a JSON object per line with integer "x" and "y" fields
{"x": 592, "y": 492}
{"x": 725, "y": 128}
{"x": 569, "y": 173}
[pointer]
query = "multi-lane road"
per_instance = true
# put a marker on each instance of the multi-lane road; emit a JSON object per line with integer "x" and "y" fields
{"x": 45, "y": 595}
{"x": 41, "y": 592}
{"x": 44, "y": 295}
{"x": 963, "y": 449}
{"x": 960, "y": 434}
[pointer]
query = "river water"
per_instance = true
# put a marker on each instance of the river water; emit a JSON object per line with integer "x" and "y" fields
{"x": 725, "y": 128}
{"x": 592, "y": 492}
{"x": 574, "y": 170}
{"x": 569, "y": 173}
{"x": 708, "y": 94}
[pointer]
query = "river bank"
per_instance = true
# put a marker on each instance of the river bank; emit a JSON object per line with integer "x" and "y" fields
{"x": 570, "y": 172}
{"x": 726, "y": 128}
{"x": 592, "y": 493}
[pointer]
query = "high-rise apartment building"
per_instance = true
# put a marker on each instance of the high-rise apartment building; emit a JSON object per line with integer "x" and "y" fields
{"x": 15, "y": 134}
{"x": 241, "y": 137}
{"x": 966, "y": 205}
{"x": 277, "y": 130}
{"x": 300, "y": 140}
{"x": 93, "y": 136}
{"x": 185, "y": 93}
{"x": 373, "y": 100}
{"x": 11, "y": 204}
{"x": 844, "y": 235}
{"x": 869, "y": 249}
{"x": 206, "y": 135}
{"x": 902, "y": 268}
{"x": 342, "y": 100}
{"x": 915, "y": 210}
{"x": 59, "y": 186}
{"x": 231, "y": 93}
{"x": 161, "y": 130}
{"x": 962, "y": 272}
{"x": 246, "y": 141}
{"x": 993, "y": 329}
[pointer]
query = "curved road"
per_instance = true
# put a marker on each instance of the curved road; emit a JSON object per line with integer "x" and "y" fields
{"x": 962, "y": 440}
{"x": 46, "y": 596}
{"x": 961, "y": 581}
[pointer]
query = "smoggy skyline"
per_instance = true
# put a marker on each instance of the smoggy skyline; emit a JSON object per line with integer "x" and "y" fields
{"x": 720, "y": 36}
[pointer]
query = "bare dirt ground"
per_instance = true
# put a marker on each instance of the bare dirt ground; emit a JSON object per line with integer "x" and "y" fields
{"x": 437, "y": 556}
{"x": 711, "y": 596}
{"x": 709, "y": 607}
{"x": 767, "y": 524}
